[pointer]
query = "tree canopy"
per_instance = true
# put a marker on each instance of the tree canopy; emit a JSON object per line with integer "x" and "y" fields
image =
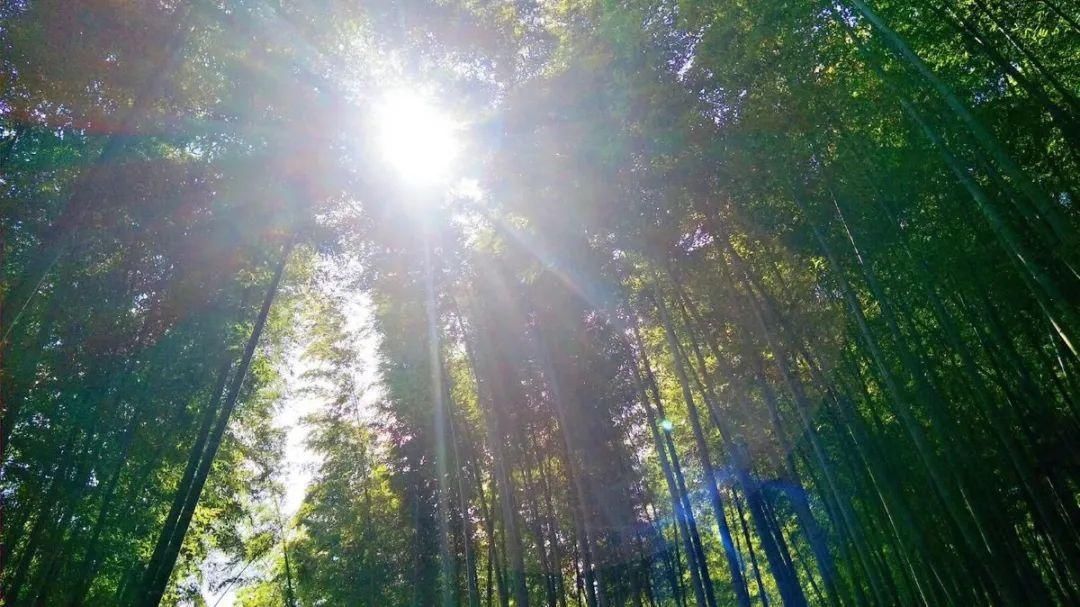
{"x": 722, "y": 303}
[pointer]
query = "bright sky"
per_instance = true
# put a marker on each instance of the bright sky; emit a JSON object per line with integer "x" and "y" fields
{"x": 300, "y": 463}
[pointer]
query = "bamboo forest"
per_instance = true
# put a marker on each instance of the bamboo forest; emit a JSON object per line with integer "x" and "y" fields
{"x": 548, "y": 303}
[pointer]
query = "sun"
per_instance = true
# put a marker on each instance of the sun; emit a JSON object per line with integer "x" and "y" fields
{"x": 416, "y": 139}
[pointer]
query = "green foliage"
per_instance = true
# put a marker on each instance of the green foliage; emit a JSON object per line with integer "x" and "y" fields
{"x": 761, "y": 303}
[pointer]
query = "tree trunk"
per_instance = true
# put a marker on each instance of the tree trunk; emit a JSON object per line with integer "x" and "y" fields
{"x": 159, "y": 569}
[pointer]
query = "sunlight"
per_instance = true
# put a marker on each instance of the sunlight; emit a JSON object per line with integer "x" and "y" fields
{"x": 416, "y": 139}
